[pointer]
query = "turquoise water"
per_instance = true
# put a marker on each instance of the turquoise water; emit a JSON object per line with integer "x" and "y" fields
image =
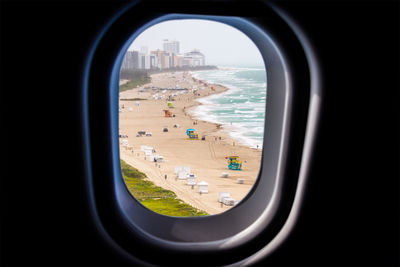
{"x": 241, "y": 109}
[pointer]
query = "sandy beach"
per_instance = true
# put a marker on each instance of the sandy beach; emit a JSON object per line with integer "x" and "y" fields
{"x": 206, "y": 158}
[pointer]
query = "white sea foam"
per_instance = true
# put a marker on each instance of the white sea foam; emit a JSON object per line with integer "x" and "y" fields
{"x": 240, "y": 109}
{"x": 240, "y": 68}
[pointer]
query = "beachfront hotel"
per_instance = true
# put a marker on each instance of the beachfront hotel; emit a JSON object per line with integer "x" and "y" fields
{"x": 194, "y": 58}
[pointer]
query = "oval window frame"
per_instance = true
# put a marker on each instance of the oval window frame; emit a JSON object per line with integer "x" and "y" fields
{"x": 130, "y": 222}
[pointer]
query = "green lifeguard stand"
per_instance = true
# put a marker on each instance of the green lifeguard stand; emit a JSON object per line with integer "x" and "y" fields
{"x": 234, "y": 163}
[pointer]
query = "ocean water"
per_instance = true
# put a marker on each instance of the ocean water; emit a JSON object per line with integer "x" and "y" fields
{"x": 241, "y": 109}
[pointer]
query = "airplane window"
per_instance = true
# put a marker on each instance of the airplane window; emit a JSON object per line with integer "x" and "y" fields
{"x": 199, "y": 142}
{"x": 192, "y": 97}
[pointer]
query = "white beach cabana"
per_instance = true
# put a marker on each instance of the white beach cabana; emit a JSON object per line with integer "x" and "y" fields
{"x": 144, "y": 148}
{"x": 240, "y": 181}
{"x": 178, "y": 169}
{"x": 182, "y": 175}
{"x": 186, "y": 169}
{"x": 228, "y": 201}
{"x": 125, "y": 142}
{"x": 156, "y": 158}
{"x": 191, "y": 180}
{"x": 159, "y": 158}
{"x": 223, "y": 195}
{"x": 202, "y": 187}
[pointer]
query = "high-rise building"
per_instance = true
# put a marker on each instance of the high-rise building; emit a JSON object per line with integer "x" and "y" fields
{"x": 178, "y": 60}
{"x": 166, "y": 61}
{"x": 131, "y": 60}
{"x": 163, "y": 58}
{"x": 145, "y": 61}
{"x": 171, "y": 59}
{"x": 144, "y": 50}
{"x": 171, "y": 46}
{"x": 141, "y": 61}
{"x": 153, "y": 62}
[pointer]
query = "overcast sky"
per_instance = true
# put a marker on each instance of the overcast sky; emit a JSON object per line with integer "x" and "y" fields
{"x": 220, "y": 43}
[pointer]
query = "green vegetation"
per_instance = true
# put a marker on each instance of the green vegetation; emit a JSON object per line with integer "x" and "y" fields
{"x": 133, "y": 83}
{"x": 138, "y": 77}
{"x": 135, "y": 77}
{"x": 172, "y": 207}
{"x": 133, "y": 99}
{"x": 154, "y": 197}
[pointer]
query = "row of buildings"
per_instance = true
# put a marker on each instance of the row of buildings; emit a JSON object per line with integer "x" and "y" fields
{"x": 169, "y": 57}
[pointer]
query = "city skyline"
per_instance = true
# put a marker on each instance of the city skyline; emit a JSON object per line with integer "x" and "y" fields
{"x": 169, "y": 57}
{"x": 220, "y": 43}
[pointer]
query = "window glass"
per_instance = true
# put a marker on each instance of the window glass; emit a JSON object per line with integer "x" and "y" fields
{"x": 191, "y": 117}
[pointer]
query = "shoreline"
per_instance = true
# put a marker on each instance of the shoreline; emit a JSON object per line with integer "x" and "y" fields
{"x": 221, "y": 130}
{"x": 206, "y": 157}
{"x": 224, "y": 127}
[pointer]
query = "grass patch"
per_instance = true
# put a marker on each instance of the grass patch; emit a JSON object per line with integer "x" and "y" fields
{"x": 131, "y": 172}
{"x": 154, "y": 197}
{"x": 138, "y": 77}
{"x": 172, "y": 207}
{"x": 132, "y": 99}
{"x": 134, "y": 82}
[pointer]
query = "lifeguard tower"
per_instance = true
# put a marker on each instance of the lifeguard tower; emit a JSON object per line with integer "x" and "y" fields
{"x": 167, "y": 113}
{"x": 192, "y": 134}
{"x": 234, "y": 163}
